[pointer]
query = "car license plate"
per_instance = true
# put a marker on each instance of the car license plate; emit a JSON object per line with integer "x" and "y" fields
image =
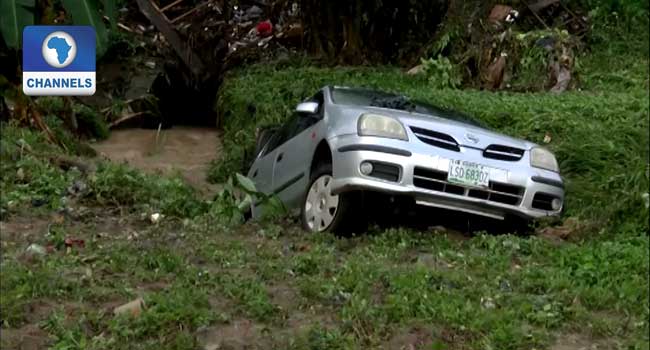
{"x": 468, "y": 173}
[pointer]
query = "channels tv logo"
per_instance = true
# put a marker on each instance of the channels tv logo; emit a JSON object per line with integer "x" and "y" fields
{"x": 59, "y": 60}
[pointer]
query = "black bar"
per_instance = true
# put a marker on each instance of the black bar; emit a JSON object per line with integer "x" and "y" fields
{"x": 546, "y": 181}
{"x": 376, "y": 148}
{"x": 288, "y": 183}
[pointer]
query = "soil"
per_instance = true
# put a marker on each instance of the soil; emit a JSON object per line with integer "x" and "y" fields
{"x": 575, "y": 341}
{"x": 188, "y": 150}
{"x": 29, "y": 337}
{"x": 410, "y": 339}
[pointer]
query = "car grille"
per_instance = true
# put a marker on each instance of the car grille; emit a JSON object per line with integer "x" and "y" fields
{"x": 502, "y": 152}
{"x": 436, "y": 139}
{"x": 436, "y": 180}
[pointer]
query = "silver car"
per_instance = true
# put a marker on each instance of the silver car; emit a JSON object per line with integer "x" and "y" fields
{"x": 344, "y": 142}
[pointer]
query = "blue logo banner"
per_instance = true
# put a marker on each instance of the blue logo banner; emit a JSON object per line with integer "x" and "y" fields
{"x": 59, "y": 60}
{"x": 34, "y": 60}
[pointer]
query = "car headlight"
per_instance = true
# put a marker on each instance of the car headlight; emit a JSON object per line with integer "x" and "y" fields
{"x": 543, "y": 158}
{"x": 382, "y": 126}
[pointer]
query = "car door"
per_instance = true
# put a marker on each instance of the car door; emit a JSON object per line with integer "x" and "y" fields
{"x": 261, "y": 171}
{"x": 291, "y": 169}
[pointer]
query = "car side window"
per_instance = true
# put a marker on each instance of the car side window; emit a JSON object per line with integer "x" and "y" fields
{"x": 286, "y": 131}
{"x": 320, "y": 99}
{"x": 306, "y": 119}
{"x": 296, "y": 124}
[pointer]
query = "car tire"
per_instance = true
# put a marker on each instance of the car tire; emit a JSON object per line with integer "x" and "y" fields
{"x": 346, "y": 216}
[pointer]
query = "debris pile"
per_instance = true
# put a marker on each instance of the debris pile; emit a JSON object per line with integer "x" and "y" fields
{"x": 190, "y": 45}
{"x": 531, "y": 47}
{"x": 211, "y": 31}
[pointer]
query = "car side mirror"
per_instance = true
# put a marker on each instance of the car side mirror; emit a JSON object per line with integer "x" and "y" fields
{"x": 307, "y": 107}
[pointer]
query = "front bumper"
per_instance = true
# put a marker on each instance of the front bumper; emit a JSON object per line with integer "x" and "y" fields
{"x": 515, "y": 187}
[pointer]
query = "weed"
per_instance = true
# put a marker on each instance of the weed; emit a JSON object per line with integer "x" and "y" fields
{"x": 319, "y": 338}
{"x": 115, "y": 184}
{"x": 441, "y": 73}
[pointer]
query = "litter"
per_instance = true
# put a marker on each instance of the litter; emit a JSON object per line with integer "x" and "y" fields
{"x": 72, "y": 242}
{"x": 155, "y": 218}
{"x": 35, "y": 250}
{"x": 264, "y": 29}
{"x": 133, "y": 308}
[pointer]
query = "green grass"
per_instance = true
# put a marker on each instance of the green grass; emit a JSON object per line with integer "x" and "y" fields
{"x": 502, "y": 292}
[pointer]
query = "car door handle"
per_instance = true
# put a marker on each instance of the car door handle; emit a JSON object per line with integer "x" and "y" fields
{"x": 280, "y": 156}
{"x": 255, "y": 173}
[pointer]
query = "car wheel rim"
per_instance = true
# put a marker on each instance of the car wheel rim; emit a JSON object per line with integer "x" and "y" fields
{"x": 321, "y": 205}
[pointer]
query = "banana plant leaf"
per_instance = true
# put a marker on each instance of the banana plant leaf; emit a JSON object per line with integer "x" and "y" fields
{"x": 14, "y": 16}
{"x": 110, "y": 11}
{"x": 86, "y": 12}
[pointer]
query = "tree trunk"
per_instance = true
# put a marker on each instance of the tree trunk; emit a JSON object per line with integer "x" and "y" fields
{"x": 352, "y": 51}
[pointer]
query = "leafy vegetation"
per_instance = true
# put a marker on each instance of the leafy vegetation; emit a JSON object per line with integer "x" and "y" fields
{"x": 441, "y": 72}
{"x": 21, "y": 13}
{"x": 18, "y": 14}
{"x": 31, "y": 179}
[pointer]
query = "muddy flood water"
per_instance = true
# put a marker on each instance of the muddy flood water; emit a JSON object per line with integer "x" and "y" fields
{"x": 188, "y": 150}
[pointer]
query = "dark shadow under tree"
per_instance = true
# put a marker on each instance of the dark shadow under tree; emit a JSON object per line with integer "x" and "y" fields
{"x": 364, "y": 31}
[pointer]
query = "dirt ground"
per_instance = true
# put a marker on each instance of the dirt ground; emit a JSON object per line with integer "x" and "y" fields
{"x": 188, "y": 150}
{"x": 250, "y": 255}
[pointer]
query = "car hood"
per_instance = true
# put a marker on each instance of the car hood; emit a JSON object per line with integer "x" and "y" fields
{"x": 465, "y": 134}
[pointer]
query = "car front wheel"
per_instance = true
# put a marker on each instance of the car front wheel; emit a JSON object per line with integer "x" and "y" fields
{"x": 323, "y": 211}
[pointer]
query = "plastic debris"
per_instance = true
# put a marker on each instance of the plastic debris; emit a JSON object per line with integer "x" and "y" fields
{"x": 416, "y": 70}
{"x": 77, "y": 188}
{"x": 487, "y": 302}
{"x": 35, "y": 249}
{"x": 264, "y": 29}
{"x": 512, "y": 16}
{"x": 547, "y": 138}
{"x": 155, "y": 218}
{"x": 72, "y": 242}
{"x": 133, "y": 308}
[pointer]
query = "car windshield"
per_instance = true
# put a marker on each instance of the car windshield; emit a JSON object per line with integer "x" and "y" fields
{"x": 364, "y": 97}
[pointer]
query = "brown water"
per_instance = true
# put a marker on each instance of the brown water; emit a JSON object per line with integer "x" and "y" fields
{"x": 188, "y": 150}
